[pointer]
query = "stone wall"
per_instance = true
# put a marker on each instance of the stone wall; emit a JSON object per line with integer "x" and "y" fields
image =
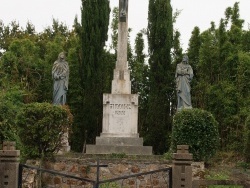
{"x": 83, "y": 166}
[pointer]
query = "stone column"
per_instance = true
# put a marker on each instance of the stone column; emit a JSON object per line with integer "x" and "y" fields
{"x": 9, "y": 165}
{"x": 182, "y": 169}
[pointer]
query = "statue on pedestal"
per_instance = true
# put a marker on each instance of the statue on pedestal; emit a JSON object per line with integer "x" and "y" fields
{"x": 60, "y": 75}
{"x": 183, "y": 76}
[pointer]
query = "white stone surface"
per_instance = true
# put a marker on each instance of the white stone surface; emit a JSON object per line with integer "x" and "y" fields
{"x": 122, "y": 45}
{"x": 121, "y": 83}
{"x": 120, "y": 115}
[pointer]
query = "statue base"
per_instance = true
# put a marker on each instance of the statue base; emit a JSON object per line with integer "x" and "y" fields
{"x": 64, "y": 149}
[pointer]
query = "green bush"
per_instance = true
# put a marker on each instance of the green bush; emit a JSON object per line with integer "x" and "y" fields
{"x": 247, "y": 140}
{"x": 40, "y": 128}
{"x": 198, "y": 129}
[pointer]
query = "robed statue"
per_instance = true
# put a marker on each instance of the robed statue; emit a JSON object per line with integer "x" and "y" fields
{"x": 60, "y": 75}
{"x": 183, "y": 76}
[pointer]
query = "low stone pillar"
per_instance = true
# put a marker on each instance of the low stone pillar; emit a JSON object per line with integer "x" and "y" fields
{"x": 9, "y": 165}
{"x": 65, "y": 147}
{"x": 182, "y": 169}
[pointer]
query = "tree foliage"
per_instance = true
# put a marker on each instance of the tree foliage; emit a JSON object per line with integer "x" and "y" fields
{"x": 139, "y": 79}
{"x": 93, "y": 68}
{"x": 247, "y": 139}
{"x": 220, "y": 58}
{"x": 161, "y": 74}
{"x": 23, "y": 67}
{"x": 10, "y": 103}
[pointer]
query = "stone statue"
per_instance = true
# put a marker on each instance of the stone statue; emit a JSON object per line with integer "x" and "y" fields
{"x": 60, "y": 75}
{"x": 123, "y": 11}
{"x": 183, "y": 76}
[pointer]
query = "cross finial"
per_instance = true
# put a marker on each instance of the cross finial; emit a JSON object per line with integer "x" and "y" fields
{"x": 123, "y": 10}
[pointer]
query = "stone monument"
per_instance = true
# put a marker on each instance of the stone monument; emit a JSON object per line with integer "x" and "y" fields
{"x": 60, "y": 75}
{"x": 183, "y": 76}
{"x": 120, "y": 108}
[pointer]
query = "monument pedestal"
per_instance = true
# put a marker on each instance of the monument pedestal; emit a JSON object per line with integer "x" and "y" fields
{"x": 119, "y": 134}
{"x": 128, "y": 150}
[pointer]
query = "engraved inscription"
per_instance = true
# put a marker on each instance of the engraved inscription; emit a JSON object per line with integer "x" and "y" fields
{"x": 120, "y": 106}
{"x": 121, "y": 113}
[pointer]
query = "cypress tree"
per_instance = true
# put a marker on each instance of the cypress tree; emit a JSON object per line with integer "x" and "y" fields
{"x": 193, "y": 55}
{"x": 95, "y": 21}
{"x": 177, "y": 58}
{"x": 161, "y": 75}
{"x": 139, "y": 79}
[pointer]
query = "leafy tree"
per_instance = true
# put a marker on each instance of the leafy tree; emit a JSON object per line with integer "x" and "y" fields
{"x": 30, "y": 29}
{"x": 193, "y": 55}
{"x": 22, "y": 66}
{"x": 194, "y": 49}
{"x": 114, "y": 27}
{"x": 11, "y": 101}
{"x": 247, "y": 139}
{"x": 177, "y": 50}
{"x": 246, "y": 41}
{"x": 176, "y": 58}
{"x": 75, "y": 93}
{"x": 139, "y": 79}
{"x": 222, "y": 61}
{"x": 161, "y": 74}
{"x": 9, "y": 33}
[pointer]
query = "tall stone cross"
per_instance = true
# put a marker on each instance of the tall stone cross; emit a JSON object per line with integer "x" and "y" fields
{"x": 123, "y": 10}
{"x": 120, "y": 107}
{"x": 121, "y": 83}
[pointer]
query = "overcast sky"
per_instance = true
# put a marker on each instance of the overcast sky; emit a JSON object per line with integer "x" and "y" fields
{"x": 194, "y": 13}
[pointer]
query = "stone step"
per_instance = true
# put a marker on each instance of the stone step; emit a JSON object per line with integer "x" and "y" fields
{"x": 109, "y": 149}
{"x": 119, "y": 141}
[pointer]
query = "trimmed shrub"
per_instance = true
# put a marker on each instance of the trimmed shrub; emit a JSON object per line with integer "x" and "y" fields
{"x": 41, "y": 126}
{"x": 247, "y": 140}
{"x": 198, "y": 129}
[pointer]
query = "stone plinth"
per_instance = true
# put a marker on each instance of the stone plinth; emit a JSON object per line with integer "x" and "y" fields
{"x": 127, "y": 145}
{"x": 182, "y": 169}
{"x": 128, "y": 150}
{"x": 65, "y": 147}
{"x": 119, "y": 133}
{"x": 119, "y": 141}
{"x": 9, "y": 165}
